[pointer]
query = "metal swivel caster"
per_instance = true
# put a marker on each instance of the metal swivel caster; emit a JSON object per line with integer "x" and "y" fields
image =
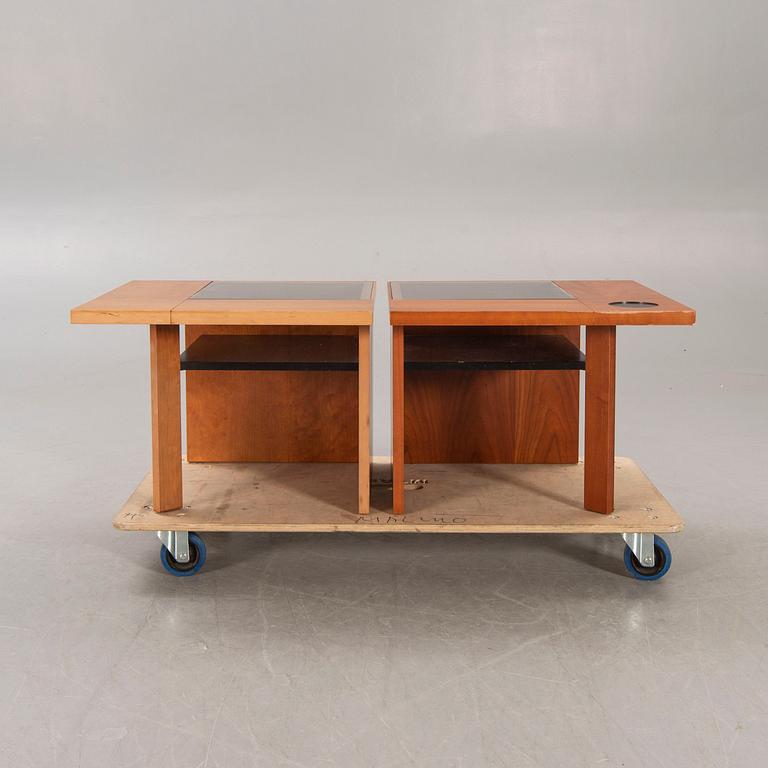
{"x": 181, "y": 553}
{"x": 646, "y": 556}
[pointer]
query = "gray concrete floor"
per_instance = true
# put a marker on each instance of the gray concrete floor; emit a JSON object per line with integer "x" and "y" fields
{"x": 344, "y": 650}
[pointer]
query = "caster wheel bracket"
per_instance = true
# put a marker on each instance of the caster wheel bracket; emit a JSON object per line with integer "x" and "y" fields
{"x": 642, "y": 546}
{"x": 177, "y": 543}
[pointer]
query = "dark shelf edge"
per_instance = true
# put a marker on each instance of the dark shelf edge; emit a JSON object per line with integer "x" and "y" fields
{"x": 497, "y": 366}
{"x": 270, "y": 352}
{"x": 492, "y": 352}
{"x": 194, "y": 365}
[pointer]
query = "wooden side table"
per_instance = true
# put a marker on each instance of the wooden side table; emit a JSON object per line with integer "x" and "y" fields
{"x": 488, "y": 373}
{"x": 276, "y": 372}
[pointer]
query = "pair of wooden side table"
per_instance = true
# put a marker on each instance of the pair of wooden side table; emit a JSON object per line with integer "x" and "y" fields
{"x": 485, "y": 404}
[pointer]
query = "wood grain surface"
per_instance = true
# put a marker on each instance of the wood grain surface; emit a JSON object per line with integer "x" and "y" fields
{"x": 166, "y": 416}
{"x": 364, "y": 419}
{"x": 590, "y": 305}
{"x": 600, "y": 419}
{"x": 168, "y": 302}
{"x": 499, "y": 312}
{"x": 274, "y": 312}
{"x": 398, "y": 420}
{"x": 598, "y": 295}
{"x": 271, "y": 415}
{"x": 492, "y": 416}
{"x": 138, "y": 302}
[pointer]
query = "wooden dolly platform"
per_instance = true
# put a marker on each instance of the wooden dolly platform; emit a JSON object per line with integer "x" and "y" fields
{"x": 460, "y": 498}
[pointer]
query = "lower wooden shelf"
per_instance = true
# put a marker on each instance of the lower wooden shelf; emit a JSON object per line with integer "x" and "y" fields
{"x": 456, "y": 498}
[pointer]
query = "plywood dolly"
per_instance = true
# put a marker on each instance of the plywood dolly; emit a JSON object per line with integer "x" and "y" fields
{"x": 646, "y": 555}
{"x": 457, "y": 498}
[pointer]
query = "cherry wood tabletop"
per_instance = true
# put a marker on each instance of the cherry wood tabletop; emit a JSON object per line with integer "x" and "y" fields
{"x": 540, "y": 303}
{"x": 137, "y": 302}
{"x": 206, "y": 302}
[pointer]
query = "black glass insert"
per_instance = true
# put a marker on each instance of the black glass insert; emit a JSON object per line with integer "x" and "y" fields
{"x": 287, "y": 291}
{"x": 494, "y": 289}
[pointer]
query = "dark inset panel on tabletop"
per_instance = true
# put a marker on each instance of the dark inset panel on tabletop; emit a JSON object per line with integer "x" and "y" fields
{"x": 479, "y": 290}
{"x": 283, "y": 291}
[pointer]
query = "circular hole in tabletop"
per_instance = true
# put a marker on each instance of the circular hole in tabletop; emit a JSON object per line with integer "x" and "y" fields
{"x": 633, "y": 304}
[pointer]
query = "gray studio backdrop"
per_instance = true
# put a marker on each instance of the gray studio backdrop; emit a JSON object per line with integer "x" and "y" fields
{"x": 387, "y": 140}
{"x": 382, "y": 139}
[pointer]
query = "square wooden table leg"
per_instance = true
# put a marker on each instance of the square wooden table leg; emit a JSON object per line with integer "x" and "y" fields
{"x": 364, "y": 418}
{"x": 398, "y": 420}
{"x": 166, "y": 417}
{"x": 600, "y": 418}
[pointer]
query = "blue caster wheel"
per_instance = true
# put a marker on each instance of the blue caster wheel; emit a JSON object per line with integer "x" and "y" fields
{"x": 663, "y": 559}
{"x": 196, "y": 558}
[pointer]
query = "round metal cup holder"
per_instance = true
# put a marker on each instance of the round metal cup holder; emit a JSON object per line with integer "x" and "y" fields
{"x": 633, "y": 304}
